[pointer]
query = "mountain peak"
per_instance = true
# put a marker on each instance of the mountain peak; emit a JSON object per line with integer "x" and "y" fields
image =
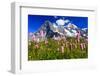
{"x": 72, "y": 26}
{"x": 56, "y": 30}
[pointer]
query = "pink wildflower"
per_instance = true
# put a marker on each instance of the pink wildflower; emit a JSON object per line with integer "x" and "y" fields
{"x": 62, "y": 49}
{"x": 33, "y": 37}
{"x": 78, "y": 36}
{"x": 37, "y": 46}
{"x": 82, "y": 46}
{"x": 46, "y": 42}
{"x": 41, "y": 33}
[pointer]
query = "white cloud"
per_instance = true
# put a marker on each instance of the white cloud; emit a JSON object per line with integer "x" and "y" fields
{"x": 66, "y": 21}
{"x": 60, "y": 22}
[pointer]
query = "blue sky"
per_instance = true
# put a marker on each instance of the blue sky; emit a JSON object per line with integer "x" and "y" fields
{"x": 35, "y": 21}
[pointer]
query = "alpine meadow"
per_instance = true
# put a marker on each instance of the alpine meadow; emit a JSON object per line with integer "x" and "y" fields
{"x": 57, "y": 37}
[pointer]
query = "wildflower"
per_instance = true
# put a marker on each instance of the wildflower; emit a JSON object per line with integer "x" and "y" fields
{"x": 81, "y": 46}
{"x": 78, "y": 36}
{"x": 33, "y": 37}
{"x": 36, "y": 46}
{"x": 76, "y": 41}
{"x": 63, "y": 44}
{"x": 37, "y": 40}
{"x": 84, "y": 45}
{"x": 70, "y": 46}
{"x": 46, "y": 42}
{"x": 74, "y": 46}
{"x": 62, "y": 49}
{"x": 29, "y": 43}
{"x": 41, "y": 33}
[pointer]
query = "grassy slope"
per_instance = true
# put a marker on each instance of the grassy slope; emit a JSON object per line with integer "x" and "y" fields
{"x": 52, "y": 49}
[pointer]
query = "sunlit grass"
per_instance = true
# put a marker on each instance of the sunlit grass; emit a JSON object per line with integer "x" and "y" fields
{"x": 61, "y": 49}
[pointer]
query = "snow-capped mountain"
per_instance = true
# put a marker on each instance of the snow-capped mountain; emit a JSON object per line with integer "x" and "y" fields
{"x": 70, "y": 25}
{"x": 53, "y": 29}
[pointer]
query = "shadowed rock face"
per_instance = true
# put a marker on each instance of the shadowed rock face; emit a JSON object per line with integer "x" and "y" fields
{"x": 47, "y": 29}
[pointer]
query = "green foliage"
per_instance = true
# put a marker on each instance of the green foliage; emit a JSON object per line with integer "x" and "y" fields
{"x": 52, "y": 50}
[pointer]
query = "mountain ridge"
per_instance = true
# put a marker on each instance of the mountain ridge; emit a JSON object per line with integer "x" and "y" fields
{"x": 51, "y": 29}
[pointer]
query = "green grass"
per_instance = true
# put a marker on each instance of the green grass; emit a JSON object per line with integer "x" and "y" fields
{"x": 52, "y": 50}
